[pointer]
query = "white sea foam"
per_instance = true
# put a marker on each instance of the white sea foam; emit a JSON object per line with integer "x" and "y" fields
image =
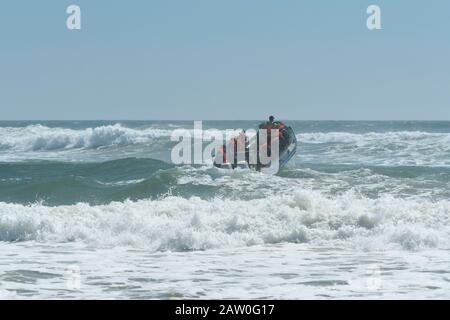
{"x": 42, "y": 138}
{"x": 387, "y": 137}
{"x": 378, "y": 148}
{"x": 180, "y": 224}
{"x": 38, "y": 137}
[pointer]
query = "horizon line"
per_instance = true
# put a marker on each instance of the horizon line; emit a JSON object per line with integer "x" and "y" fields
{"x": 191, "y": 120}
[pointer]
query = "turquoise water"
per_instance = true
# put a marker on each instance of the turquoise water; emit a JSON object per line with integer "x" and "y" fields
{"x": 364, "y": 195}
{"x": 98, "y": 162}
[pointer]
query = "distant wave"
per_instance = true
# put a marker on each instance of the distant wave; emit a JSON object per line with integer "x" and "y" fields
{"x": 42, "y": 138}
{"x": 175, "y": 223}
{"x": 39, "y": 137}
{"x": 378, "y": 148}
{"x": 392, "y": 148}
{"x": 375, "y": 137}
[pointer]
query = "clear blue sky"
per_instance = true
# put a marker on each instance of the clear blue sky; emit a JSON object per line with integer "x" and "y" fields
{"x": 233, "y": 59}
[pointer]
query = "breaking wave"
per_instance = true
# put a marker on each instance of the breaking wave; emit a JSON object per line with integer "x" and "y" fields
{"x": 377, "y": 137}
{"x": 180, "y": 224}
{"x": 381, "y": 148}
{"x": 41, "y": 138}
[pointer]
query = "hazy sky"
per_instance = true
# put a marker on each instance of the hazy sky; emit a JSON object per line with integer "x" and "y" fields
{"x": 228, "y": 59}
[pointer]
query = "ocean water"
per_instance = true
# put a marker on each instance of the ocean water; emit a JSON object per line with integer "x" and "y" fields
{"x": 96, "y": 209}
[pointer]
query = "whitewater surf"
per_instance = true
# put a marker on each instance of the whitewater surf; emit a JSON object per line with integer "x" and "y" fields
{"x": 361, "y": 211}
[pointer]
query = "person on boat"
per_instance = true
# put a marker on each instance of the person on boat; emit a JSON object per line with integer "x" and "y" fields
{"x": 239, "y": 143}
{"x": 272, "y": 124}
{"x": 268, "y": 124}
{"x": 221, "y": 156}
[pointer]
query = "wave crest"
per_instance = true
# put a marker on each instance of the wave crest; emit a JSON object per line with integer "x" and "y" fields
{"x": 180, "y": 224}
{"x": 41, "y": 138}
{"x": 380, "y": 148}
{"x": 373, "y": 137}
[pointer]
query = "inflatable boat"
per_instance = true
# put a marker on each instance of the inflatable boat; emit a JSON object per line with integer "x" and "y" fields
{"x": 287, "y": 142}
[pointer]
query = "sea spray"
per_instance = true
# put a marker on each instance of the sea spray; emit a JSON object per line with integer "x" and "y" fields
{"x": 179, "y": 224}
